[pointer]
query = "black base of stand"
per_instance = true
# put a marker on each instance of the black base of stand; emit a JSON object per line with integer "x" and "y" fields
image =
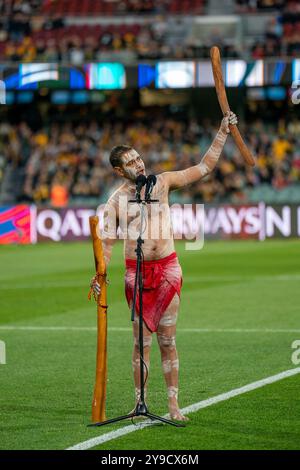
{"x": 140, "y": 410}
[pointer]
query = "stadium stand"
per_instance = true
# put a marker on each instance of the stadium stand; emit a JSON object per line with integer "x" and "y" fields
{"x": 76, "y": 156}
{"x": 59, "y": 31}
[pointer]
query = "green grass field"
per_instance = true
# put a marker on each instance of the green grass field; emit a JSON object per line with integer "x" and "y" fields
{"x": 230, "y": 289}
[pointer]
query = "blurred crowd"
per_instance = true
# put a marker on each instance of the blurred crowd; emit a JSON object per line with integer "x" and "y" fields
{"x": 65, "y": 163}
{"x": 12, "y": 7}
{"x": 282, "y": 36}
{"x": 28, "y": 35}
{"x": 52, "y": 40}
{"x": 253, "y": 6}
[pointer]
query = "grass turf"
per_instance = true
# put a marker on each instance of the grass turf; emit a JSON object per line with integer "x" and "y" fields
{"x": 47, "y": 383}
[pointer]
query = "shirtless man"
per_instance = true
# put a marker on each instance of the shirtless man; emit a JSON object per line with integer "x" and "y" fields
{"x": 162, "y": 275}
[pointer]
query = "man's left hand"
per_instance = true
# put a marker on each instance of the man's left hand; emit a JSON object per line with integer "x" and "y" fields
{"x": 95, "y": 288}
{"x": 229, "y": 118}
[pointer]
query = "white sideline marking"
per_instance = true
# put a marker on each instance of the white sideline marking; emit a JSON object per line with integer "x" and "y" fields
{"x": 189, "y": 409}
{"x": 181, "y": 330}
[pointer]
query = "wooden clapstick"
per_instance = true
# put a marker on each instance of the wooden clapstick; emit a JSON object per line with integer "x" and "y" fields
{"x": 99, "y": 398}
{"x": 222, "y": 97}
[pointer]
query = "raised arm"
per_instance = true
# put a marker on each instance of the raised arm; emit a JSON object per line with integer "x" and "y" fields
{"x": 179, "y": 179}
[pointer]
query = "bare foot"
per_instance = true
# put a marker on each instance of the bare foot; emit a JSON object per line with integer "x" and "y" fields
{"x": 176, "y": 414}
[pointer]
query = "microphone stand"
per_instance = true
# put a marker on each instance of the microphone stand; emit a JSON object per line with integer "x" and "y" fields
{"x": 141, "y": 408}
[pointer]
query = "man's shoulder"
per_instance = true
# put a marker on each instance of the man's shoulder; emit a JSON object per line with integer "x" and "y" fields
{"x": 162, "y": 182}
{"x": 160, "y": 178}
{"x": 163, "y": 177}
{"x": 119, "y": 191}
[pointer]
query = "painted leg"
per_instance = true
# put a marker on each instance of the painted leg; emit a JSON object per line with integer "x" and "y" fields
{"x": 170, "y": 363}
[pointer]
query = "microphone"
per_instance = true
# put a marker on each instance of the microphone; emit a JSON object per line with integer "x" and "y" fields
{"x": 151, "y": 182}
{"x": 140, "y": 182}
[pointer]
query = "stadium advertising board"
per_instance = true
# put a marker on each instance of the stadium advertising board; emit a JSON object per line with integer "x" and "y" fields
{"x": 63, "y": 224}
{"x": 16, "y": 225}
{"x": 161, "y": 74}
{"x": 28, "y": 224}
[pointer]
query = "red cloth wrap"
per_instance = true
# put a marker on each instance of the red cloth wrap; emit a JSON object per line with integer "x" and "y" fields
{"x": 162, "y": 279}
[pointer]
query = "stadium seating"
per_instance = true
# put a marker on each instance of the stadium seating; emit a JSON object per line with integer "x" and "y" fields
{"x": 66, "y": 19}
{"x": 108, "y": 7}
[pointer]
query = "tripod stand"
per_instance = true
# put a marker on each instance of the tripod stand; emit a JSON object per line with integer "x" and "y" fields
{"x": 141, "y": 408}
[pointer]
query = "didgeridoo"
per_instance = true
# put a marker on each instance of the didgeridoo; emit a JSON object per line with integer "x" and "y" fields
{"x": 99, "y": 398}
